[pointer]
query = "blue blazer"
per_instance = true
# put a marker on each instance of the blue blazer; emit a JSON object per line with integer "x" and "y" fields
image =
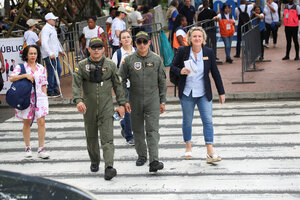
{"x": 183, "y": 54}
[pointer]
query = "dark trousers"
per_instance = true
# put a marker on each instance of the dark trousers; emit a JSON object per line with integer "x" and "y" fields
{"x": 1, "y": 81}
{"x": 291, "y": 32}
{"x": 262, "y": 37}
{"x": 211, "y": 40}
{"x": 126, "y": 125}
{"x": 269, "y": 29}
{"x": 238, "y": 41}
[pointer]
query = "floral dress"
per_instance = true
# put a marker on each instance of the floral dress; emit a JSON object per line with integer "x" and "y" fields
{"x": 42, "y": 105}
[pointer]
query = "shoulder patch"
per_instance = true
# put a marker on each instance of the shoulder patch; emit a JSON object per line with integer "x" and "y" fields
{"x": 76, "y": 69}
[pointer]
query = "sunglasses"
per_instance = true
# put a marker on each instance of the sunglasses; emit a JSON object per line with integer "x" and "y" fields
{"x": 142, "y": 41}
{"x": 95, "y": 47}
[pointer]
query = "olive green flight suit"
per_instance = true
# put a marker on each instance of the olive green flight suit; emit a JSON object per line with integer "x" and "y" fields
{"x": 147, "y": 91}
{"x": 99, "y": 106}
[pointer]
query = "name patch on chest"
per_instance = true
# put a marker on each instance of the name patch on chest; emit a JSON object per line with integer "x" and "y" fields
{"x": 149, "y": 64}
{"x": 137, "y": 65}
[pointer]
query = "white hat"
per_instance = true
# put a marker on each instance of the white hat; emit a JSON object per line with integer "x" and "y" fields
{"x": 31, "y": 22}
{"x": 123, "y": 10}
{"x": 50, "y": 16}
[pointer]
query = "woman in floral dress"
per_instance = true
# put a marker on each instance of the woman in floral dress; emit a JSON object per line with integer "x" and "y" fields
{"x": 34, "y": 72}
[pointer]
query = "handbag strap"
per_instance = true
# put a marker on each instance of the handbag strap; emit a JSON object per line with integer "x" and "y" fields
{"x": 35, "y": 100}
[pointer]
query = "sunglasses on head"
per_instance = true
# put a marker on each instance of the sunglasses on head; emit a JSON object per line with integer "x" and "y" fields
{"x": 96, "y": 47}
{"x": 142, "y": 41}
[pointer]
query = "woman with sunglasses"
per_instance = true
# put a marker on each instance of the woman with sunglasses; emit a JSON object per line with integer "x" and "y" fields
{"x": 118, "y": 57}
{"x": 192, "y": 65}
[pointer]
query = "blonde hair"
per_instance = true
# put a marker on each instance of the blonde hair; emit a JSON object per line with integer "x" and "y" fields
{"x": 196, "y": 28}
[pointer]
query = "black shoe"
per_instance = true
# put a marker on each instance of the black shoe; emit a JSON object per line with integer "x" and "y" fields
{"x": 109, "y": 173}
{"x": 155, "y": 165}
{"x": 285, "y": 58}
{"x": 236, "y": 56}
{"x": 94, "y": 167}
{"x": 141, "y": 161}
{"x": 296, "y": 58}
{"x": 229, "y": 60}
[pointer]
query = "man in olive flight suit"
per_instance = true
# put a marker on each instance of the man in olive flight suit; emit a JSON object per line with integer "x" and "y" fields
{"x": 97, "y": 76}
{"x": 147, "y": 98}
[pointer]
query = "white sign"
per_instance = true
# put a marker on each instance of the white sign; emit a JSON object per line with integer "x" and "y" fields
{"x": 10, "y": 48}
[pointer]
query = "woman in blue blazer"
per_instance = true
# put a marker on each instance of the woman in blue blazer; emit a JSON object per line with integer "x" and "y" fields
{"x": 192, "y": 65}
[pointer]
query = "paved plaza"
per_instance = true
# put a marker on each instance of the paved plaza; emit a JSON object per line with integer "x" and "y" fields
{"x": 259, "y": 142}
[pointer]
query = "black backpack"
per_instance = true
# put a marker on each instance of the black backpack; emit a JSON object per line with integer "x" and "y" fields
{"x": 243, "y": 17}
{"x": 18, "y": 95}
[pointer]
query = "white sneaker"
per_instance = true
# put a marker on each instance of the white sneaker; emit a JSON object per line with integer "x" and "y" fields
{"x": 28, "y": 153}
{"x": 213, "y": 158}
{"x": 43, "y": 154}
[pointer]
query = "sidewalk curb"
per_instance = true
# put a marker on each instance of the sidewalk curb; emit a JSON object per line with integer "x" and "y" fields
{"x": 229, "y": 97}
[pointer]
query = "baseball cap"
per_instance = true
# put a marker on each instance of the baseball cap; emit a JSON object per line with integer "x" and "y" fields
{"x": 95, "y": 42}
{"x": 50, "y": 15}
{"x": 123, "y": 10}
{"x": 142, "y": 34}
{"x": 31, "y": 22}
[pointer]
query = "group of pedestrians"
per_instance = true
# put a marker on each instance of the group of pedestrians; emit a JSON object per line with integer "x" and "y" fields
{"x": 138, "y": 78}
{"x": 267, "y": 18}
{"x": 140, "y": 88}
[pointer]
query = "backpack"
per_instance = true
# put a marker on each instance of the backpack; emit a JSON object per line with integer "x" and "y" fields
{"x": 243, "y": 17}
{"x": 18, "y": 95}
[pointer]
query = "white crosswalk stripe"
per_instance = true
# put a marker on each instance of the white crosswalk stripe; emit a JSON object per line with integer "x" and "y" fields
{"x": 259, "y": 143}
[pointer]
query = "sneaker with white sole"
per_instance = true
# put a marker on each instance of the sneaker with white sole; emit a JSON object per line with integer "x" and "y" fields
{"x": 213, "y": 158}
{"x": 43, "y": 154}
{"x": 130, "y": 142}
{"x": 28, "y": 153}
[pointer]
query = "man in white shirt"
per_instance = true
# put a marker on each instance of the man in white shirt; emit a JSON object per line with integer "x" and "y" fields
{"x": 117, "y": 26}
{"x": 136, "y": 20}
{"x": 51, "y": 48}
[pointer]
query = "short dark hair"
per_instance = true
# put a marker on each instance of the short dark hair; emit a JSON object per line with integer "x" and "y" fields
{"x": 205, "y": 3}
{"x": 26, "y": 50}
{"x": 112, "y": 8}
{"x": 146, "y": 9}
{"x": 224, "y": 7}
{"x": 92, "y": 17}
{"x": 174, "y": 3}
{"x": 134, "y": 6}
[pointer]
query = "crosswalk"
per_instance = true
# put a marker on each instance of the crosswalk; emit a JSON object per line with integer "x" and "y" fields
{"x": 259, "y": 143}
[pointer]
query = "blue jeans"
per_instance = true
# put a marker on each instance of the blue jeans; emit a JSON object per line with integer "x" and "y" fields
{"x": 205, "y": 108}
{"x": 52, "y": 83}
{"x": 126, "y": 126}
{"x": 227, "y": 42}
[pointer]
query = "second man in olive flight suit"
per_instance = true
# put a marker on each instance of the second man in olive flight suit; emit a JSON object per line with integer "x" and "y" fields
{"x": 147, "y": 98}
